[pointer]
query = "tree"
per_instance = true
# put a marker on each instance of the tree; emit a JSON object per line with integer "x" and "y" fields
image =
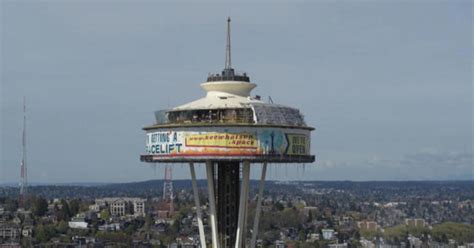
{"x": 11, "y": 204}
{"x": 64, "y": 213}
{"x": 44, "y": 233}
{"x": 278, "y": 206}
{"x": 148, "y": 221}
{"x": 310, "y": 216}
{"x": 463, "y": 233}
{"x": 62, "y": 227}
{"x": 40, "y": 206}
{"x": 176, "y": 226}
{"x": 74, "y": 206}
{"x": 130, "y": 229}
{"x": 105, "y": 214}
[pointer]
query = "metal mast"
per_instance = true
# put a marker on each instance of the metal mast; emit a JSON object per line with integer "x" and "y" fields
{"x": 23, "y": 168}
{"x": 228, "y": 60}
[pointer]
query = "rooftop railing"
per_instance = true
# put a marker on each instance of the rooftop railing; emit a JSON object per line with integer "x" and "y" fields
{"x": 228, "y": 75}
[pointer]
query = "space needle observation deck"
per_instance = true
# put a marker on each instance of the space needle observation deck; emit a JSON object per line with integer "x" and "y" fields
{"x": 228, "y": 129}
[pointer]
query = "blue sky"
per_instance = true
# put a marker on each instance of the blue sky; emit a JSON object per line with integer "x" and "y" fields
{"x": 387, "y": 84}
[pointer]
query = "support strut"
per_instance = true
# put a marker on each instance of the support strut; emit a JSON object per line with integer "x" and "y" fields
{"x": 197, "y": 202}
{"x": 212, "y": 203}
{"x": 253, "y": 242}
{"x": 240, "y": 236}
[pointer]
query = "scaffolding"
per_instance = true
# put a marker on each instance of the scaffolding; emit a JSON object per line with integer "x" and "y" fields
{"x": 274, "y": 114}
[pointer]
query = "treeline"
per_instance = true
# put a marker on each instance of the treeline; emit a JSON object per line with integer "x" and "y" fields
{"x": 366, "y": 191}
{"x": 461, "y": 233}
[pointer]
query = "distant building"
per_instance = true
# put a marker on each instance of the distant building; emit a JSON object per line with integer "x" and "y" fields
{"x": 4, "y": 215}
{"x": 78, "y": 223}
{"x": 83, "y": 240}
{"x": 415, "y": 222}
{"x": 163, "y": 214}
{"x": 367, "y": 225}
{"x": 110, "y": 227}
{"x": 27, "y": 231}
{"x": 414, "y": 242}
{"x": 160, "y": 227}
{"x": 121, "y": 206}
{"x": 342, "y": 245}
{"x": 139, "y": 207}
{"x": 312, "y": 237}
{"x": 279, "y": 244}
{"x": 327, "y": 233}
{"x": 96, "y": 207}
{"x": 173, "y": 245}
{"x": 367, "y": 243}
{"x": 307, "y": 209}
{"x": 9, "y": 233}
{"x": 185, "y": 242}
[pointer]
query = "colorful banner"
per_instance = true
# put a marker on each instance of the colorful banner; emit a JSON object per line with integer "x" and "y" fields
{"x": 228, "y": 142}
{"x": 222, "y": 140}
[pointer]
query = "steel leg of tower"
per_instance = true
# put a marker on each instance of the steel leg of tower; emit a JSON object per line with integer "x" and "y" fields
{"x": 228, "y": 178}
{"x": 246, "y": 192}
{"x": 197, "y": 202}
{"x": 212, "y": 203}
{"x": 246, "y": 210}
{"x": 253, "y": 242}
{"x": 239, "y": 243}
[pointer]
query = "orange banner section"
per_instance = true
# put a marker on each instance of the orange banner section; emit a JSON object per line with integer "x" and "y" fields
{"x": 222, "y": 140}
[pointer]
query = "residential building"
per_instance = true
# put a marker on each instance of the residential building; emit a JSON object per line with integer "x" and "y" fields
{"x": 312, "y": 237}
{"x": 139, "y": 207}
{"x": 9, "y": 232}
{"x": 110, "y": 227}
{"x": 415, "y": 222}
{"x": 367, "y": 225}
{"x": 327, "y": 233}
{"x": 119, "y": 207}
{"x": 78, "y": 223}
{"x": 279, "y": 244}
{"x": 366, "y": 243}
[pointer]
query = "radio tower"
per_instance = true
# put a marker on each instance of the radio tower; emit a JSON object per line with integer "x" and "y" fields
{"x": 23, "y": 168}
{"x": 168, "y": 195}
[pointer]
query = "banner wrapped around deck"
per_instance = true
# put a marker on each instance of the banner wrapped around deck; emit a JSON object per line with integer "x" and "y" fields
{"x": 228, "y": 142}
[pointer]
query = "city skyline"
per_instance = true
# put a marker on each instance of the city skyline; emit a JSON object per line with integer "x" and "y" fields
{"x": 388, "y": 85}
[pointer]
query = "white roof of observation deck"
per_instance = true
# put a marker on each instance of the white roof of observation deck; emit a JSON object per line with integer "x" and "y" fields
{"x": 222, "y": 95}
{"x": 236, "y": 94}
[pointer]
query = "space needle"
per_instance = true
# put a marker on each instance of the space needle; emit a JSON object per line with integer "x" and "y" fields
{"x": 229, "y": 130}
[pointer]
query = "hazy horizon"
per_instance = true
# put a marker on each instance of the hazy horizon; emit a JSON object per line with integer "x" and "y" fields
{"x": 386, "y": 84}
{"x": 93, "y": 184}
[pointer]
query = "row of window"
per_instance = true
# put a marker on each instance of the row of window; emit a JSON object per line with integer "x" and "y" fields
{"x": 264, "y": 114}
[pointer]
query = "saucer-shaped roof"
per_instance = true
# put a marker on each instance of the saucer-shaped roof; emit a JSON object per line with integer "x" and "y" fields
{"x": 236, "y": 95}
{"x": 222, "y": 95}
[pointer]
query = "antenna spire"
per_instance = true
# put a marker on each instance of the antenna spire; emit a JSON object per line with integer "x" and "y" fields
{"x": 228, "y": 60}
{"x": 23, "y": 168}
